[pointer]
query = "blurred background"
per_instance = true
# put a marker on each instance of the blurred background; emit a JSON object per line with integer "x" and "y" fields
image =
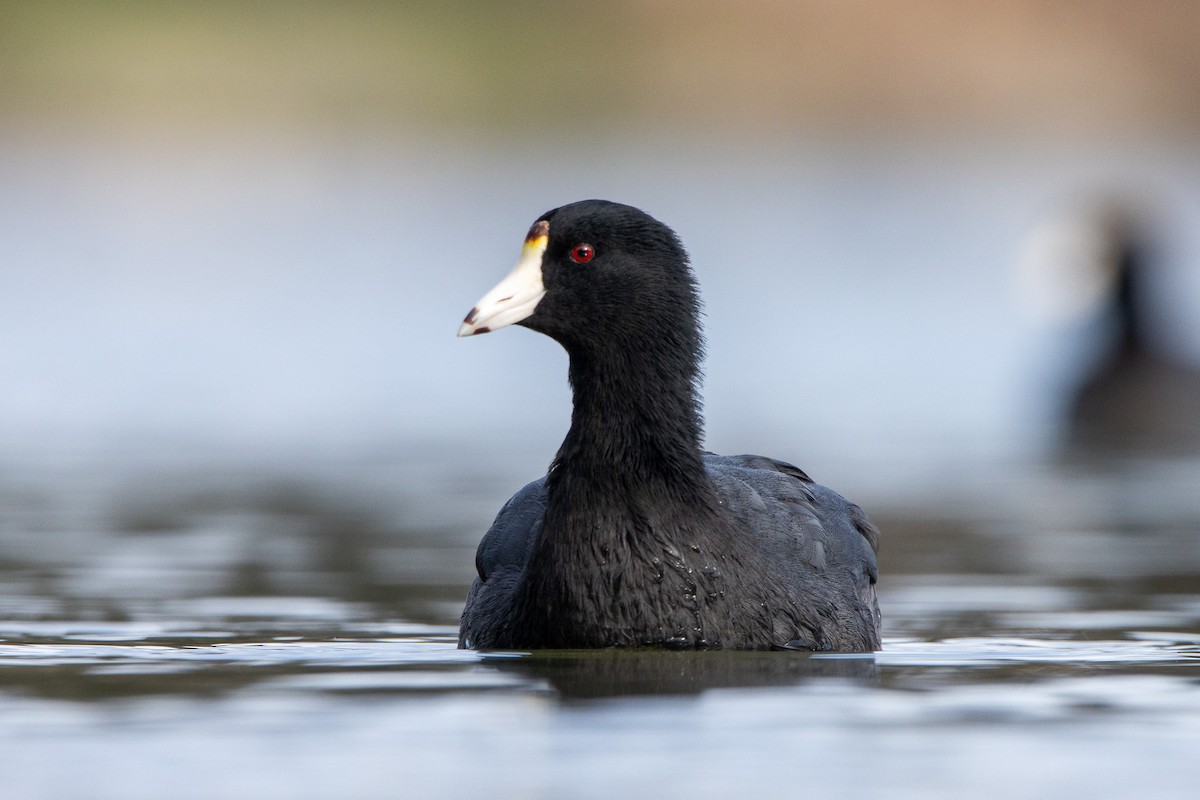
{"x": 236, "y": 240}
{"x": 256, "y": 224}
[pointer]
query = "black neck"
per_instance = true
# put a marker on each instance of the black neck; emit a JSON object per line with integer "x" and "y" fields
{"x": 1128, "y": 312}
{"x": 635, "y": 425}
{"x": 626, "y": 494}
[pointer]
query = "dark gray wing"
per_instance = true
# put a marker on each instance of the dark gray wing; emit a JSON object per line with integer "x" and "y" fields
{"x": 824, "y": 546}
{"x": 499, "y": 561}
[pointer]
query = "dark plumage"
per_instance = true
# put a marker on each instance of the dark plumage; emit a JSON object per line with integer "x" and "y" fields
{"x": 1139, "y": 398}
{"x": 636, "y": 537}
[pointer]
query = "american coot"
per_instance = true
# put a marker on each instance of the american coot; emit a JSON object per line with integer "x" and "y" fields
{"x": 1139, "y": 399}
{"x": 636, "y": 536}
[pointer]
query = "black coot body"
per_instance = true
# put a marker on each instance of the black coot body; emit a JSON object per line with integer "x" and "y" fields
{"x": 1140, "y": 399}
{"x": 636, "y": 536}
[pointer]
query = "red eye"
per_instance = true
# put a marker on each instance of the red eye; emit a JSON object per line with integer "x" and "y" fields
{"x": 582, "y": 253}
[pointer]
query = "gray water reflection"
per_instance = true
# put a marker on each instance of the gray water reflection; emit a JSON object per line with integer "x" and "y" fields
{"x": 276, "y": 632}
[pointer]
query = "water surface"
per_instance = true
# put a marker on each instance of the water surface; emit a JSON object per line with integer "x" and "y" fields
{"x": 272, "y": 632}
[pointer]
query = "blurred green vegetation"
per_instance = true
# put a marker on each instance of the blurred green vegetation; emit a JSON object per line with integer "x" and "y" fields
{"x": 501, "y": 68}
{"x": 416, "y": 64}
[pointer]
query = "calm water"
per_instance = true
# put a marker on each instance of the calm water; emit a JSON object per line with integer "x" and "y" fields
{"x": 262, "y": 630}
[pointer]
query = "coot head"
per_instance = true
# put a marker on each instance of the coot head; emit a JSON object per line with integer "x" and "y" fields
{"x": 595, "y": 273}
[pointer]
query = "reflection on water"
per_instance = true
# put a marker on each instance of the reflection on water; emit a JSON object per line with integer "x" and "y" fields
{"x": 231, "y": 631}
{"x": 578, "y": 675}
